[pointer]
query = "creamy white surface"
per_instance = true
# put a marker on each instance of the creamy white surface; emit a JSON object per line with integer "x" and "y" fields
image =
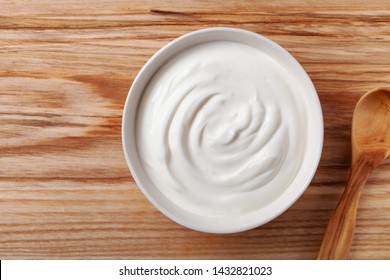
{"x": 220, "y": 130}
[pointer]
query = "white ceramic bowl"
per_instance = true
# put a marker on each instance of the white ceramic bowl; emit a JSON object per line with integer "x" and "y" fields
{"x": 311, "y": 156}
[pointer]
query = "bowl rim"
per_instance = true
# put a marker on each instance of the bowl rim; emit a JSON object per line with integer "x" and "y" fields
{"x": 287, "y": 198}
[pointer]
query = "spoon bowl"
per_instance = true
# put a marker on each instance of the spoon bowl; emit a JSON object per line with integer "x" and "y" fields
{"x": 371, "y": 124}
{"x": 370, "y": 147}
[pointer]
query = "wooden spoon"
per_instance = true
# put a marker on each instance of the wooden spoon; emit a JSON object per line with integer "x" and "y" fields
{"x": 370, "y": 146}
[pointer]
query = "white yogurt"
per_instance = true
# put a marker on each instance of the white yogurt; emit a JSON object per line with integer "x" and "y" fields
{"x": 220, "y": 129}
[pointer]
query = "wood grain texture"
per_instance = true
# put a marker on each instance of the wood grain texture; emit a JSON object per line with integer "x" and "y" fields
{"x": 65, "y": 70}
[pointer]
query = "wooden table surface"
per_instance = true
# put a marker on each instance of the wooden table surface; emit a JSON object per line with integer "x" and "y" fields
{"x": 65, "y": 71}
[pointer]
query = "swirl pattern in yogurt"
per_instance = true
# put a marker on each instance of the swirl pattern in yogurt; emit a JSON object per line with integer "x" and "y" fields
{"x": 220, "y": 130}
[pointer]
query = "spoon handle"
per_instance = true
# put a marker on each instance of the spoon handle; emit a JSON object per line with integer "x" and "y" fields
{"x": 339, "y": 232}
